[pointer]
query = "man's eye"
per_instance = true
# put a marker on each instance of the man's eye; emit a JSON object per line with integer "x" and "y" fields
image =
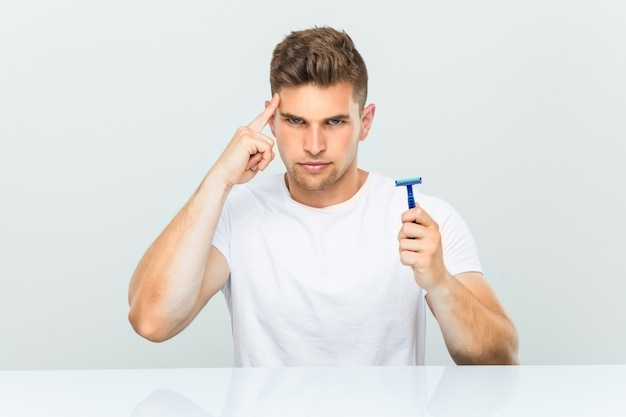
{"x": 295, "y": 121}
{"x": 335, "y": 122}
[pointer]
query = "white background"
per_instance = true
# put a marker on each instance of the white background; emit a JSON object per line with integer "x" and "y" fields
{"x": 112, "y": 112}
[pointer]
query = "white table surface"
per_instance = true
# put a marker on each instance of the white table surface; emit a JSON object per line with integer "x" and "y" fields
{"x": 371, "y": 391}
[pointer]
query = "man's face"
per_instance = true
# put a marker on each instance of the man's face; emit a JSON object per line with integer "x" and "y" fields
{"x": 318, "y": 131}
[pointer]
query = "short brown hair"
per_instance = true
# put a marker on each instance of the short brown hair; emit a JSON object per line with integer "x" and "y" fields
{"x": 322, "y": 56}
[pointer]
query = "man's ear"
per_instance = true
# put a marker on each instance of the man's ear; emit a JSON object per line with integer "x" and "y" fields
{"x": 367, "y": 118}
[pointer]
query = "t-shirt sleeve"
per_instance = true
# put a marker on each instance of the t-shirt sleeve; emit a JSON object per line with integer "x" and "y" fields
{"x": 221, "y": 238}
{"x": 459, "y": 248}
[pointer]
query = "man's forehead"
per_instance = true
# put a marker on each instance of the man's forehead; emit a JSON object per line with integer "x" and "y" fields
{"x": 319, "y": 102}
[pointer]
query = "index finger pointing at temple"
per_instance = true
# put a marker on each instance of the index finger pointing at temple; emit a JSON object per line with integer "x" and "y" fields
{"x": 261, "y": 121}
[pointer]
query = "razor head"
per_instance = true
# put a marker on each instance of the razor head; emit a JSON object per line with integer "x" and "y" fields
{"x": 408, "y": 181}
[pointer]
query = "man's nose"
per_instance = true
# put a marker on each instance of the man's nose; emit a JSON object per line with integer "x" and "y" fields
{"x": 314, "y": 142}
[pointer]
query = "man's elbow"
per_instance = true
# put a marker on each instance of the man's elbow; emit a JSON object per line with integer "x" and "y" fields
{"x": 500, "y": 354}
{"x": 148, "y": 326}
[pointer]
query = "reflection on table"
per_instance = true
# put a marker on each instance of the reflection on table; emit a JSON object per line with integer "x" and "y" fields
{"x": 368, "y": 391}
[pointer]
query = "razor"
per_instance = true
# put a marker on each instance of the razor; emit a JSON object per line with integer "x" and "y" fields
{"x": 408, "y": 183}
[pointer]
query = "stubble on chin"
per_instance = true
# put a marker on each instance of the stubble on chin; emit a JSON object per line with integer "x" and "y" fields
{"x": 315, "y": 182}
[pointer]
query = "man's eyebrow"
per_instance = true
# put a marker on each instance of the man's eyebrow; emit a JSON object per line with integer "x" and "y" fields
{"x": 339, "y": 117}
{"x": 289, "y": 115}
{"x": 335, "y": 117}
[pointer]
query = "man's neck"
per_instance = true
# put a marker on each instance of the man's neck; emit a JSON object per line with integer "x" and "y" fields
{"x": 342, "y": 190}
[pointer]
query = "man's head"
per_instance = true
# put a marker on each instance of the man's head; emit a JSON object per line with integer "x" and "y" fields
{"x": 321, "y": 80}
{"x": 322, "y": 57}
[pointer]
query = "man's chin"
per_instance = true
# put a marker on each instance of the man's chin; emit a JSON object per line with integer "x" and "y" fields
{"x": 314, "y": 182}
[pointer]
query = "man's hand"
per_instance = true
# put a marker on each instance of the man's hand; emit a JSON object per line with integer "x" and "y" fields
{"x": 249, "y": 151}
{"x": 420, "y": 248}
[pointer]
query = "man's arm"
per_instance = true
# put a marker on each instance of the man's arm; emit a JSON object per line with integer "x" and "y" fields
{"x": 475, "y": 327}
{"x": 181, "y": 270}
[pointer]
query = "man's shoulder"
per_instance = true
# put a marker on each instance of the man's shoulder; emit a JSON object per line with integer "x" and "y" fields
{"x": 259, "y": 193}
{"x": 260, "y": 186}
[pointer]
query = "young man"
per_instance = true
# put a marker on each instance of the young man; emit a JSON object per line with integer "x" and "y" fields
{"x": 321, "y": 265}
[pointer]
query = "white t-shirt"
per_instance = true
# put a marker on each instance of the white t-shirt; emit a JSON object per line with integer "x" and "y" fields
{"x": 324, "y": 287}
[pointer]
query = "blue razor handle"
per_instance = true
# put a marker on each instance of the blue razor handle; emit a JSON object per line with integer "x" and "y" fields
{"x": 408, "y": 183}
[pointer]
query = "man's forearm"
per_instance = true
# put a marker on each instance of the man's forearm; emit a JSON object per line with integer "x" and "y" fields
{"x": 473, "y": 332}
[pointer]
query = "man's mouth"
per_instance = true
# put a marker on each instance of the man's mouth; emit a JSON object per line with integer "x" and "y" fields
{"x": 314, "y": 166}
